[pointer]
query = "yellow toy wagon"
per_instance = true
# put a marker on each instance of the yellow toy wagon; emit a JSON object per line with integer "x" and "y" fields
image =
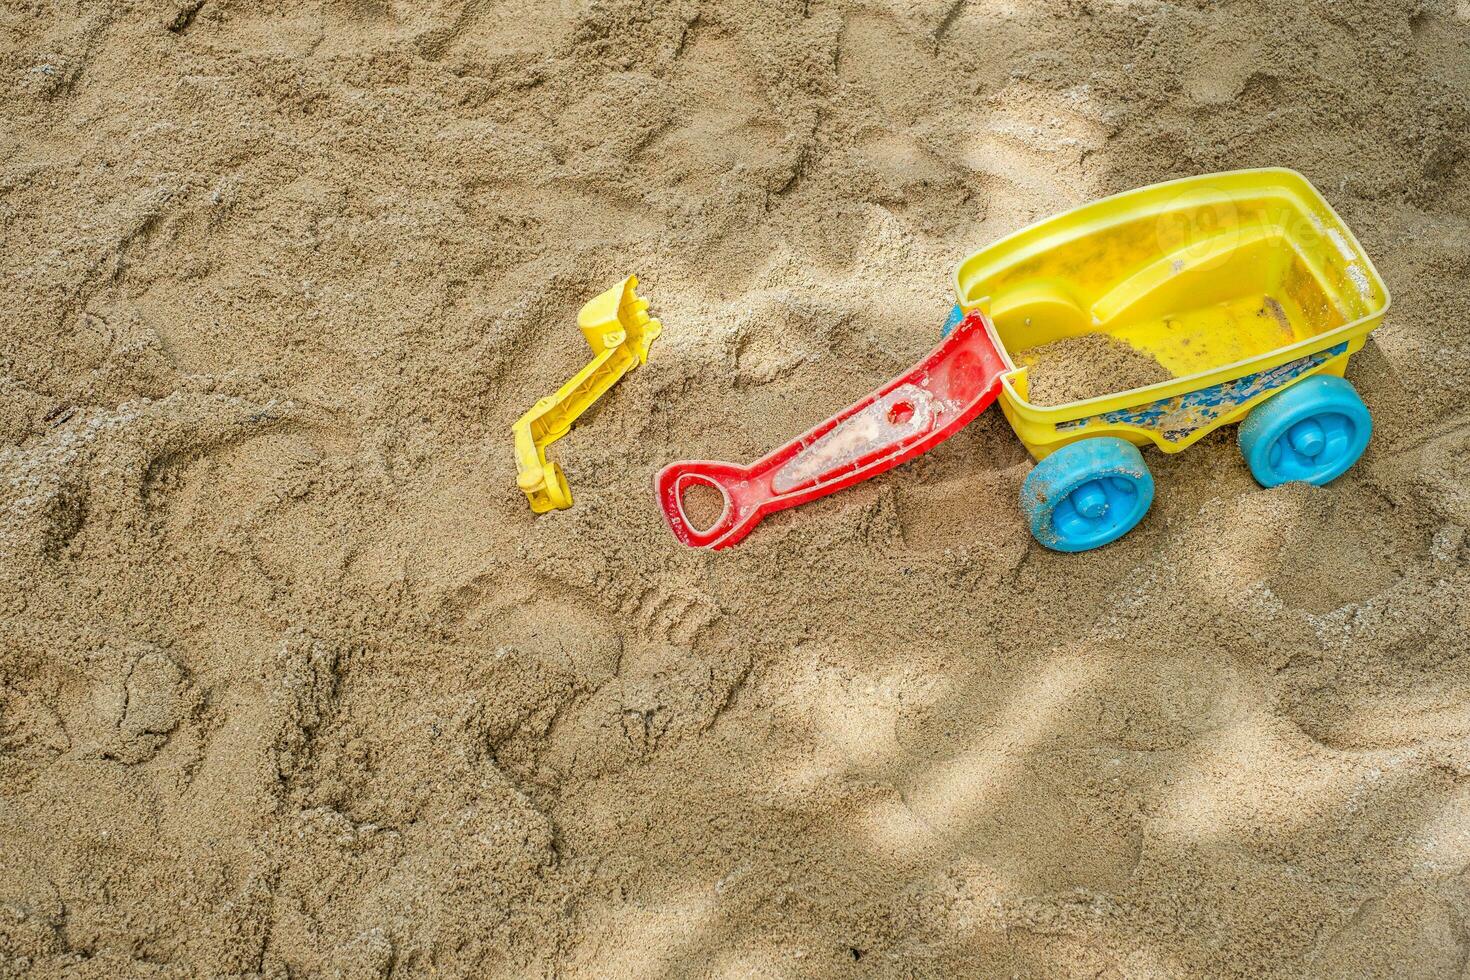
{"x": 1246, "y": 287}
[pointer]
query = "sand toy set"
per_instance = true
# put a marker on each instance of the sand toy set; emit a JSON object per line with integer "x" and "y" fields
{"x": 1245, "y": 290}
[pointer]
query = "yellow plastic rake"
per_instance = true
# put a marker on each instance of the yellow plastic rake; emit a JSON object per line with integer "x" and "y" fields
{"x": 619, "y": 330}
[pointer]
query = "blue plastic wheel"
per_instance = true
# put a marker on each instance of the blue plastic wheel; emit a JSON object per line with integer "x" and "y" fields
{"x": 1312, "y": 432}
{"x": 1087, "y": 494}
{"x": 955, "y": 316}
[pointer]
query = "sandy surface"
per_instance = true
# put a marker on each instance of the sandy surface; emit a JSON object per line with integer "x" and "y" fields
{"x": 1089, "y": 366}
{"x": 292, "y": 682}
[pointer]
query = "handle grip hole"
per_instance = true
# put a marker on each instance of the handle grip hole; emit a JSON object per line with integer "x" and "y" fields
{"x": 703, "y": 503}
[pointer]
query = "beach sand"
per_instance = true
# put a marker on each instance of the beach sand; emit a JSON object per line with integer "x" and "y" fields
{"x": 293, "y": 683}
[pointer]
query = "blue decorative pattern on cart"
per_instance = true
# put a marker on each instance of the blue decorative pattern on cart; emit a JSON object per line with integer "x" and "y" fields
{"x": 1183, "y": 415}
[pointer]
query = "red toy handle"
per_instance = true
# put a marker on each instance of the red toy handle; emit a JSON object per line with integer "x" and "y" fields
{"x": 906, "y": 417}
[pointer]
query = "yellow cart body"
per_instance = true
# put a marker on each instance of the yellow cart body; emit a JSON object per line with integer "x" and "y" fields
{"x": 1239, "y": 284}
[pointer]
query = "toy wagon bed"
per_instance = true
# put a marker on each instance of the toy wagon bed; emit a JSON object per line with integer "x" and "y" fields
{"x": 1246, "y": 286}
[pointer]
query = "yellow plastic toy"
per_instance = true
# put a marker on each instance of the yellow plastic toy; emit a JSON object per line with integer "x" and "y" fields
{"x": 1246, "y": 286}
{"x": 619, "y": 330}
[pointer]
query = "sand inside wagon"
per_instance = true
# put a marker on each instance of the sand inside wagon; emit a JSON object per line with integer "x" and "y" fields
{"x": 1074, "y": 369}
